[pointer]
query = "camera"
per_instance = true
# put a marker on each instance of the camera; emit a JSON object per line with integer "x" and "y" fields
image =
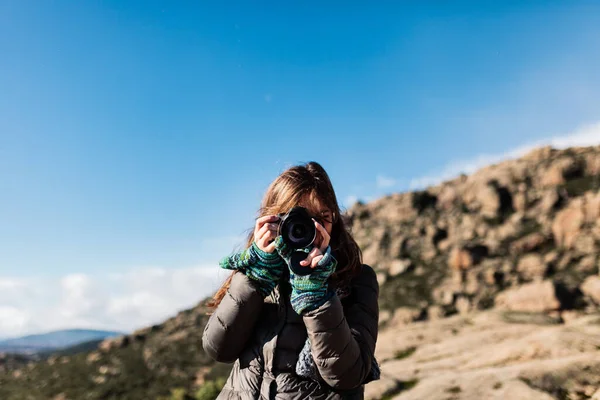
{"x": 297, "y": 228}
{"x": 298, "y": 231}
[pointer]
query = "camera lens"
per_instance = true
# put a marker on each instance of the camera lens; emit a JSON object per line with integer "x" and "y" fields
{"x": 298, "y": 229}
{"x": 298, "y": 233}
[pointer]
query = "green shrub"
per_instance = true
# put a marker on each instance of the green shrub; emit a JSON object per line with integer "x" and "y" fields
{"x": 404, "y": 353}
{"x": 210, "y": 390}
{"x": 175, "y": 394}
{"x": 401, "y": 386}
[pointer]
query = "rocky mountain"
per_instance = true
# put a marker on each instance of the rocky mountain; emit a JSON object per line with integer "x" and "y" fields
{"x": 489, "y": 283}
{"x": 525, "y": 227}
{"x": 490, "y": 288}
{"x": 53, "y": 340}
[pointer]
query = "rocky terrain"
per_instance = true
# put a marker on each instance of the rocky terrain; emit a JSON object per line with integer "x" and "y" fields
{"x": 491, "y": 355}
{"x": 489, "y": 283}
{"x": 490, "y": 288}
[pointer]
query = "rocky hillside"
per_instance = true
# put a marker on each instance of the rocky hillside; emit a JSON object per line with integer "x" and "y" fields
{"x": 489, "y": 289}
{"x": 152, "y": 363}
{"x": 489, "y": 283}
{"x": 522, "y": 235}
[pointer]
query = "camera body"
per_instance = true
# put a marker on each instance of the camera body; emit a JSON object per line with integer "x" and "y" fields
{"x": 298, "y": 231}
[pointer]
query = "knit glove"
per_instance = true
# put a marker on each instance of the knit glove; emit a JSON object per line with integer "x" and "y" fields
{"x": 309, "y": 292}
{"x": 264, "y": 268}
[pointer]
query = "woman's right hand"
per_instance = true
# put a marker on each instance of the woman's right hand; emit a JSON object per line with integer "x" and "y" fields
{"x": 265, "y": 232}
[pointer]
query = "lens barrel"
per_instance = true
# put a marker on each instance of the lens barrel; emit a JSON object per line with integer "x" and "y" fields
{"x": 298, "y": 231}
{"x": 297, "y": 228}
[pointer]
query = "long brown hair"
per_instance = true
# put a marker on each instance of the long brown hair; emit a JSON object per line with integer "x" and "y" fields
{"x": 301, "y": 182}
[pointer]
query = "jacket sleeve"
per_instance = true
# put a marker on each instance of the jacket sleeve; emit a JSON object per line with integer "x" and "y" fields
{"x": 230, "y": 326}
{"x": 343, "y": 343}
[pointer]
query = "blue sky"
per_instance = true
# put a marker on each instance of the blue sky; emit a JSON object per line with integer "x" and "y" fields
{"x": 142, "y": 134}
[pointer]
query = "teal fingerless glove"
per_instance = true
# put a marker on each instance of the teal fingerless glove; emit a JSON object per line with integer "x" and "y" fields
{"x": 309, "y": 292}
{"x": 264, "y": 268}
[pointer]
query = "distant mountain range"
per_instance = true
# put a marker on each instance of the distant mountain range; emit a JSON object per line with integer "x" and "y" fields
{"x": 52, "y": 341}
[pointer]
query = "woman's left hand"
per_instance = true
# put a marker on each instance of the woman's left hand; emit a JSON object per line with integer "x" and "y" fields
{"x": 321, "y": 244}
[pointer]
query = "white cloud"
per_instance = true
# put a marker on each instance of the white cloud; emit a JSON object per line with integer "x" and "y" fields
{"x": 384, "y": 182}
{"x": 126, "y": 301}
{"x": 78, "y": 297}
{"x": 12, "y": 319}
{"x": 123, "y": 301}
{"x": 10, "y": 284}
{"x": 585, "y": 136}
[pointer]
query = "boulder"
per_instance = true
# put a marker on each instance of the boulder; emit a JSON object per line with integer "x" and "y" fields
{"x": 428, "y": 254}
{"x": 592, "y": 164}
{"x": 551, "y": 257}
{"x": 466, "y": 229}
{"x": 404, "y": 315}
{"x": 371, "y": 255}
{"x": 397, "y": 267}
{"x": 463, "y": 258}
{"x": 489, "y": 200}
{"x": 448, "y": 198}
{"x": 520, "y": 201}
{"x": 595, "y": 230}
{"x": 550, "y": 199}
{"x": 553, "y": 176}
{"x": 531, "y": 297}
{"x": 560, "y": 171}
{"x": 539, "y": 154}
{"x": 493, "y": 276}
{"x": 93, "y": 357}
{"x": 532, "y": 267}
{"x": 435, "y": 312}
{"x": 472, "y": 284}
{"x": 528, "y": 243}
{"x": 584, "y": 244}
{"x": 508, "y": 230}
{"x": 592, "y": 207}
{"x": 114, "y": 343}
{"x": 460, "y": 259}
{"x": 463, "y": 305}
{"x": 444, "y": 294}
{"x": 398, "y": 246}
{"x": 567, "y": 225}
{"x": 385, "y": 316}
{"x": 591, "y": 288}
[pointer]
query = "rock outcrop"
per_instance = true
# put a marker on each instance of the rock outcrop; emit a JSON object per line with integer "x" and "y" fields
{"x": 520, "y": 222}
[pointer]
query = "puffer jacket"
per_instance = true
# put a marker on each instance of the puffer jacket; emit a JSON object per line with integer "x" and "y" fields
{"x": 263, "y": 338}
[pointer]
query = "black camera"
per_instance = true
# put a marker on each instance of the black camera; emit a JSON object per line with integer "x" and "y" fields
{"x": 298, "y": 231}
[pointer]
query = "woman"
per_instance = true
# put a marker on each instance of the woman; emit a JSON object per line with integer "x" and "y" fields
{"x": 290, "y": 336}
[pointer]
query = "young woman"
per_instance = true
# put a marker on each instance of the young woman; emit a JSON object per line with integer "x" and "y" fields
{"x": 296, "y": 336}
